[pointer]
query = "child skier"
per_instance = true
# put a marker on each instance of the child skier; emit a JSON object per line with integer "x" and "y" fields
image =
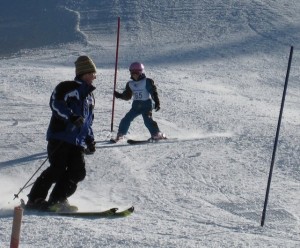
{"x": 143, "y": 91}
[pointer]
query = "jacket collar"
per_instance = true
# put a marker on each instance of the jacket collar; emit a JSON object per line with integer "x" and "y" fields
{"x": 89, "y": 88}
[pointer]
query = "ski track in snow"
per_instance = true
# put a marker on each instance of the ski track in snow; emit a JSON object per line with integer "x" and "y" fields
{"x": 219, "y": 68}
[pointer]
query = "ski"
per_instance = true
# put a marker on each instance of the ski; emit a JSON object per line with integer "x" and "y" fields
{"x": 110, "y": 213}
{"x": 111, "y": 144}
{"x": 146, "y": 141}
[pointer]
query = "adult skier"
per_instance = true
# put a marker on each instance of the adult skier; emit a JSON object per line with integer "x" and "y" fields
{"x": 69, "y": 136}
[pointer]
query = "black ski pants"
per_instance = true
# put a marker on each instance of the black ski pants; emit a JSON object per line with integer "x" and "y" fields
{"x": 67, "y": 168}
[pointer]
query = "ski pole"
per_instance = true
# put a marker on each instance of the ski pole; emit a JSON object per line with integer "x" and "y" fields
{"x": 26, "y": 184}
{"x": 276, "y": 139}
{"x": 115, "y": 77}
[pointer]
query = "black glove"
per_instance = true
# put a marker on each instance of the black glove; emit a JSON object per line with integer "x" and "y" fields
{"x": 157, "y": 106}
{"x": 117, "y": 94}
{"x": 91, "y": 148}
{"x": 77, "y": 120}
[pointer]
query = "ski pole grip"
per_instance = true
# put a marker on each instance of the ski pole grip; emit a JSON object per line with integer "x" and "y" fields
{"x": 16, "y": 227}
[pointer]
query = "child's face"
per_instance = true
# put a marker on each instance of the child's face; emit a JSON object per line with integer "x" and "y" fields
{"x": 135, "y": 75}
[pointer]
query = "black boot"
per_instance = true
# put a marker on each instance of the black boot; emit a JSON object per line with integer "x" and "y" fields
{"x": 39, "y": 204}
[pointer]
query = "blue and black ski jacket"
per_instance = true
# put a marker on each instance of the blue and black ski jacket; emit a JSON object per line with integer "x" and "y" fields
{"x": 72, "y": 98}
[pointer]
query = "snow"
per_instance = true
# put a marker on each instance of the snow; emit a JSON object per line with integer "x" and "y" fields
{"x": 219, "y": 67}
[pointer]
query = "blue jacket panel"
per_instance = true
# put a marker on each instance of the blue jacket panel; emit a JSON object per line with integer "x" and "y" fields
{"x": 72, "y": 98}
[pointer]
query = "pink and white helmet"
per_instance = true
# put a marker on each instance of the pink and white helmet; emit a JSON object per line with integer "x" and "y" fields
{"x": 137, "y": 67}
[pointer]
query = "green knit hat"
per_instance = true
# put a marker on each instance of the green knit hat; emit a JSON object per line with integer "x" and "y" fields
{"x": 84, "y": 65}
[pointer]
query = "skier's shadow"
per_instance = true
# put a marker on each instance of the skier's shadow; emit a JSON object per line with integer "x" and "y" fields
{"x": 37, "y": 156}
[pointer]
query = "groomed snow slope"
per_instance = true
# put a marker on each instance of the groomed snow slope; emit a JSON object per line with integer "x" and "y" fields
{"x": 219, "y": 67}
